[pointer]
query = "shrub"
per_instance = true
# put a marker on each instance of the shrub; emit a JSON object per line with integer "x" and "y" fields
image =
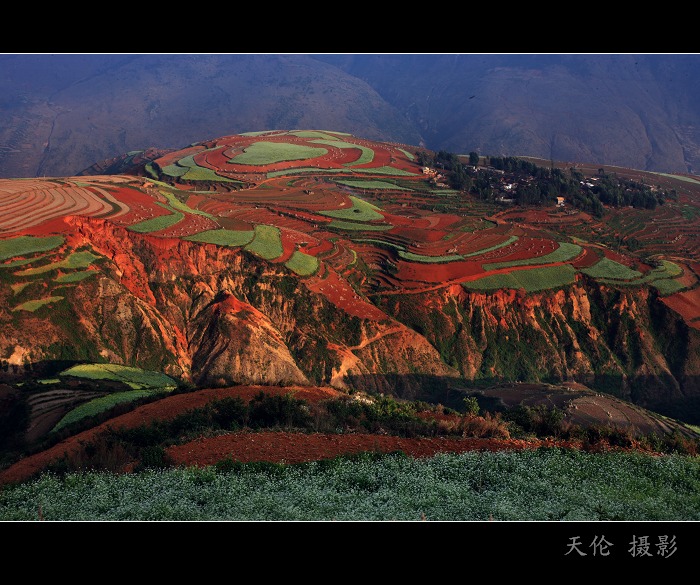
{"x": 677, "y": 443}
{"x": 471, "y": 405}
{"x": 275, "y": 410}
{"x": 154, "y": 457}
{"x": 105, "y": 453}
{"x": 489, "y": 426}
{"x": 652, "y": 441}
{"x": 190, "y": 423}
{"x": 595, "y": 436}
{"x": 542, "y": 420}
{"x": 622, "y": 437}
{"x": 144, "y": 435}
{"x": 229, "y": 413}
{"x": 14, "y": 422}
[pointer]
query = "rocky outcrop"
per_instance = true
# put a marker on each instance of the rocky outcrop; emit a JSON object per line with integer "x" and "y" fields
{"x": 625, "y": 342}
{"x": 235, "y": 342}
{"x": 218, "y": 316}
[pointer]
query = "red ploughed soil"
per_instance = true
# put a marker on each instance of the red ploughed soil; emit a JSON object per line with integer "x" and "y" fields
{"x": 282, "y": 447}
{"x": 191, "y": 224}
{"x": 141, "y": 206}
{"x": 172, "y": 157}
{"x": 417, "y": 234}
{"x": 291, "y": 239}
{"x": 341, "y": 294}
{"x": 687, "y": 304}
{"x": 588, "y": 258}
{"x": 619, "y": 258}
{"x": 437, "y": 272}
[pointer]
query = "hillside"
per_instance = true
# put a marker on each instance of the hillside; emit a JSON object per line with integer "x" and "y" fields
{"x": 301, "y": 424}
{"x": 63, "y": 113}
{"x": 303, "y": 259}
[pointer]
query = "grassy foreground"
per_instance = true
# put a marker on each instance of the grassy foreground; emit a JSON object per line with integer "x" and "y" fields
{"x": 543, "y": 484}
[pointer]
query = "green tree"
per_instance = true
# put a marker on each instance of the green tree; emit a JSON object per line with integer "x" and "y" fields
{"x": 471, "y": 405}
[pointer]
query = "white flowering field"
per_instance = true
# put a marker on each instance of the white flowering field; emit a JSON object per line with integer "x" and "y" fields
{"x": 545, "y": 484}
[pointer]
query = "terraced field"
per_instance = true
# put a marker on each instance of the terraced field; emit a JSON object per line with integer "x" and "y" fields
{"x": 352, "y": 217}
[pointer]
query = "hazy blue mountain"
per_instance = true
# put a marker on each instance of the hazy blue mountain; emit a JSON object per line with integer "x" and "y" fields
{"x": 641, "y": 111}
{"x": 58, "y": 122}
{"x": 61, "y": 113}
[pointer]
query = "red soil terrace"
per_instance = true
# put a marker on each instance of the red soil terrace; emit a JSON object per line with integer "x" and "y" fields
{"x": 294, "y": 203}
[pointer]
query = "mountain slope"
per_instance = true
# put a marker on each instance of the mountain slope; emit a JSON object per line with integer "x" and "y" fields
{"x": 61, "y": 113}
{"x": 104, "y": 106}
{"x": 317, "y": 257}
{"x": 637, "y": 111}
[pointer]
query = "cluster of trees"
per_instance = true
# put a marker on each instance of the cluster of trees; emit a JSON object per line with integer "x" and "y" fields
{"x": 622, "y": 192}
{"x": 537, "y": 185}
{"x": 455, "y": 172}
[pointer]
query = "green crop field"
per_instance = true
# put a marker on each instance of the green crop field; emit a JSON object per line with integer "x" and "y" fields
{"x": 155, "y": 224}
{"x": 302, "y": 264}
{"x": 666, "y": 270}
{"x": 266, "y": 242}
{"x": 360, "y": 184}
{"x": 101, "y": 404}
{"x": 510, "y": 240}
{"x": 530, "y": 279}
{"x": 75, "y": 260}
{"x": 564, "y": 252}
{"x": 348, "y": 225}
{"x": 479, "y": 223}
{"x": 606, "y": 268}
{"x": 175, "y": 203}
{"x": 136, "y": 378}
{"x": 690, "y": 213}
{"x": 24, "y": 262}
{"x": 321, "y": 134}
{"x": 256, "y": 133}
{"x": 381, "y": 243}
{"x": 23, "y": 245}
{"x": 19, "y": 287}
{"x": 444, "y": 191}
{"x": 429, "y": 259}
{"x": 680, "y": 177}
{"x": 386, "y": 171}
{"x": 301, "y": 170}
{"x": 366, "y": 154}
{"x": 174, "y": 170}
{"x": 75, "y": 276}
{"x": 267, "y": 153}
{"x": 223, "y": 237}
{"x": 667, "y": 286}
{"x": 193, "y": 172}
{"x": 360, "y": 211}
{"x": 529, "y": 485}
{"x": 660, "y": 277}
{"x": 409, "y": 155}
{"x": 32, "y": 306}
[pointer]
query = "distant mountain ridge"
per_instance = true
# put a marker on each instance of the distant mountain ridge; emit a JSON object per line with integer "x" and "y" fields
{"x": 61, "y": 113}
